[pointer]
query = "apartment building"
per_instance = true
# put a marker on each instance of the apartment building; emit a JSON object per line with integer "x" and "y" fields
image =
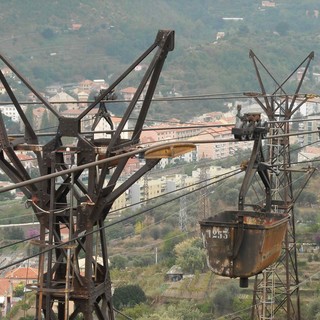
{"x": 148, "y": 188}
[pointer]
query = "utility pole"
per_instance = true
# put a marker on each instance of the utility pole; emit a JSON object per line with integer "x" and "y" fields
{"x": 183, "y": 208}
{"x": 204, "y": 198}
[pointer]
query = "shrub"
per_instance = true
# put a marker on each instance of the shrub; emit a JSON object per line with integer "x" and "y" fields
{"x": 128, "y": 296}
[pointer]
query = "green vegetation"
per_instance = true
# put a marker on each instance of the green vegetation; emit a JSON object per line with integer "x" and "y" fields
{"x": 128, "y": 296}
{"x": 23, "y": 310}
{"x": 207, "y": 295}
{"x": 112, "y": 35}
{"x": 14, "y": 212}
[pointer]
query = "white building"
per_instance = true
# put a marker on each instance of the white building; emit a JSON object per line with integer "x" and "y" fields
{"x": 11, "y": 112}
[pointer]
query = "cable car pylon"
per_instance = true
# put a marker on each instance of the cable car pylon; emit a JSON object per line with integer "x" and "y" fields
{"x": 259, "y": 238}
{"x": 277, "y": 292}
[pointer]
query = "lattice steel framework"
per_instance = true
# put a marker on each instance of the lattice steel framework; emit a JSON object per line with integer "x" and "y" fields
{"x": 74, "y": 202}
{"x": 278, "y": 292}
{"x": 204, "y": 204}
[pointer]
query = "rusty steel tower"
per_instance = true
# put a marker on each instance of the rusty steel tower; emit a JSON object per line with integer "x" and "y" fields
{"x": 258, "y": 239}
{"x": 75, "y": 189}
{"x": 277, "y": 290}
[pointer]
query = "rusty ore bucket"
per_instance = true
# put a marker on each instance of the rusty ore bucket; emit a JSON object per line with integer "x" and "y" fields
{"x": 243, "y": 243}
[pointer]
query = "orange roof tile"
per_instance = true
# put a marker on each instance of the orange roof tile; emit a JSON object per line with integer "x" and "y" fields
{"x": 4, "y": 286}
{"x": 25, "y": 157}
{"x": 314, "y": 150}
{"x": 132, "y": 161}
{"x": 129, "y": 90}
{"x": 22, "y": 273}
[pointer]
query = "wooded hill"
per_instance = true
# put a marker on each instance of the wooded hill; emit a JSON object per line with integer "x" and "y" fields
{"x": 67, "y": 41}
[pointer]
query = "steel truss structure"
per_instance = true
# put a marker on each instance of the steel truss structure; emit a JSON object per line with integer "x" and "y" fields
{"x": 278, "y": 290}
{"x": 68, "y": 204}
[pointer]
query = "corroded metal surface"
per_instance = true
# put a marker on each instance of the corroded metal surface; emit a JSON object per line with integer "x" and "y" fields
{"x": 79, "y": 201}
{"x": 242, "y": 244}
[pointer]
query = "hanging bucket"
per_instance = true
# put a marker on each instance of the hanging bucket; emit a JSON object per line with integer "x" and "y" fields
{"x": 241, "y": 243}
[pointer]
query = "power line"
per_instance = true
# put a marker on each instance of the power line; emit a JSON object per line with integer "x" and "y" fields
{"x": 142, "y": 211}
{"x": 226, "y": 157}
{"x": 111, "y": 224}
{"x": 212, "y": 96}
{"x": 143, "y": 201}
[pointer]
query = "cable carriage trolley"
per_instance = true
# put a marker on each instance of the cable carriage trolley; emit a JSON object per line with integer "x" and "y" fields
{"x": 243, "y": 242}
{"x": 249, "y": 125}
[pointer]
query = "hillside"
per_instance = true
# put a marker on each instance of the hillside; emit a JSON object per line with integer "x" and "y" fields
{"x": 67, "y": 41}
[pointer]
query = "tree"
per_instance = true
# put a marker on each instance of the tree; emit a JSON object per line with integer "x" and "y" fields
{"x": 47, "y": 33}
{"x": 6, "y": 196}
{"x": 19, "y": 290}
{"x": 170, "y": 240}
{"x": 29, "y": 115}
{"x": 314, "y": 309}
{"x": 192, "y": 260}
{"x": 155, "y": 232}
{"x": 138, "y": 311}
{"x": 231, "y": 196}
{"x": 45, "y": 123}
{"x": 143, "y": 260}
{"x": 128, "y": 296}
{"x": 190, "y": 256}
{"x": 224, "y": 297}
{"x": 11, "y": 126}
{"x": 307, "y": 198}
{"x": 181, "y": 310}
{"x": 14, "y": 233}
{"x": 282, "y": 28}
{"x": 119, "y": 262}
{"x": 138, "y": 227}
{"x": 295, "y": 125}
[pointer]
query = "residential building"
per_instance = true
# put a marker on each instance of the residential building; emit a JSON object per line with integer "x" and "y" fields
{"x": 38, "y": 114}
{"x": 83, "y": 98}
{"x": 99, "y": 84}
{"x": 53, "y": 89}
{"x": 224, "y": 146}
{"x": 10, "y": 111}
{"x": 312, "y": 126}
{"x": 220, "y": 35}
{"x": 22, "y": 275}
{"x": 311, "y": 106}
{"x": 76, "y": 26}
{"x": 5, "y": 296}
{"x": 268, "y": 4}
{"x": 63, "y": 99}
{"x": 308, "y": 154}
{"x": 7, "y": 72}
{"x": 128, "y": 93}
{"x": 2, "y": 88}
{"x": 86, "y": 85}
{"x": 148, "y": 187}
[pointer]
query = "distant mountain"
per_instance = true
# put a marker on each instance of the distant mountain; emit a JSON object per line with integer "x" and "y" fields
{"x": 67, "y": 41}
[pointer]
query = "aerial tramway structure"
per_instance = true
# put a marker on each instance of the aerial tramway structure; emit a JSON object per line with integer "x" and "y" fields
{"x": 277, "y": 291}
{"x": 63, "y": 200}
{"x": 259, "y": 239}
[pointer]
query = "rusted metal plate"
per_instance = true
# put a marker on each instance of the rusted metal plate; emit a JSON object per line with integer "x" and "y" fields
{"x": 242, "y": 244}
